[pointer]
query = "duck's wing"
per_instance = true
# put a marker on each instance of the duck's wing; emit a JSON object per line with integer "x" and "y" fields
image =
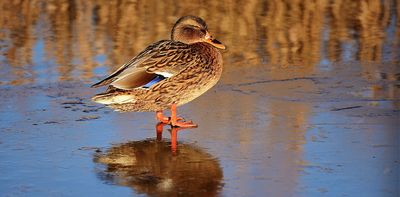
{"x": 165, "y": 58}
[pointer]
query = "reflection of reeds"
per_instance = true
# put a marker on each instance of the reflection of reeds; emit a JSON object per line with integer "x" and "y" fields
{"x": 374, "y": 18}
{"x": 19, "y": 34}
{"x": 293, "y": 31}
{"x": 396, "y": 43}
{"x": 339, "y": 25}
{"x": 76, "y": 33}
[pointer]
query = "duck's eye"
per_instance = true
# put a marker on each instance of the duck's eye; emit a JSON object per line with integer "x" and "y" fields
{"x": 188, "y": 31}
{"x": 203, "y": 31}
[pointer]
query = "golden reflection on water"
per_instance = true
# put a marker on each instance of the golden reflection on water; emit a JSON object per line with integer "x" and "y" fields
{"x": 80, "y": 36}
{"x": 157, "y": 168}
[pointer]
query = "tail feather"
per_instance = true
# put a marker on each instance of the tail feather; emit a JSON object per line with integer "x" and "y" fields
{"x": 103, "y": 82}
{"x": 113, "y": 98}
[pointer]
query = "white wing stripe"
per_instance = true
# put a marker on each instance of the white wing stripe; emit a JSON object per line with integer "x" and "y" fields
{"x": 165, "y": 74}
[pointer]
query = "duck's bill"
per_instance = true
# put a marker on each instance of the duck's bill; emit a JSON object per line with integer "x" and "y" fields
{"x": 216, "y": 43}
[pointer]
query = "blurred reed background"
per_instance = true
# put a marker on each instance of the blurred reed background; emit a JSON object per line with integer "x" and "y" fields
{"x": 79, "y": 39}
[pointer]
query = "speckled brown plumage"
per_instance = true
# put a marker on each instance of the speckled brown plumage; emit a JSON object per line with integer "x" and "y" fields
{"x": 191, "y": 59}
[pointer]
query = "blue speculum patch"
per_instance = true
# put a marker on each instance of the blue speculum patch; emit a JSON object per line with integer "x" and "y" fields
{"x": 156, "y": 79}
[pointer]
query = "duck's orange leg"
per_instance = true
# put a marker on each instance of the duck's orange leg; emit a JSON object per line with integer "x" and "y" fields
{"x": 174, "y": 120}
{"x": 174, "y": 139}
{"x": 159, "y": 130}
{"x": 163, "y": 119}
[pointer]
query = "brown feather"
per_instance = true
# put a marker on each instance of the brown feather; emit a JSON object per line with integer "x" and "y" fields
{"x": 133, "y": 80}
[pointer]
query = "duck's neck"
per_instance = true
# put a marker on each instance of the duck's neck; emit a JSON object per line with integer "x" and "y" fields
{"x": 212, "y": 55}
{"x": 207, "y": 49}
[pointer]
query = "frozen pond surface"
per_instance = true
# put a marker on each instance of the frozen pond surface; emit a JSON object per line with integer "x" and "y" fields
{"x": 303, "y": 108}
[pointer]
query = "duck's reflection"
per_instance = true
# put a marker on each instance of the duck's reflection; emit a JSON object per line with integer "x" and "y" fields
{"x": 161, "y": 168}
{"x": 173, "y": 132}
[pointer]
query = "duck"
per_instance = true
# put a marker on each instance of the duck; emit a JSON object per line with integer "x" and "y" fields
{"x": 167, "y": 73}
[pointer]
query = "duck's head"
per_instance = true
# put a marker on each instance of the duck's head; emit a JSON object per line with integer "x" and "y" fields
{"x": 192, "y": 29}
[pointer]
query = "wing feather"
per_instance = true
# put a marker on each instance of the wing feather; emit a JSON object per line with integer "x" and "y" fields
{"x": 166, "y": 56}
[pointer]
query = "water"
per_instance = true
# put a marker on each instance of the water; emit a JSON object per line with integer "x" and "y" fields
{"x": 308, "y": 104}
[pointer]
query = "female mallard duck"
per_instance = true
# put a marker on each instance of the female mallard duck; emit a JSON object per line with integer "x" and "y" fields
{"x": 167, "y": 74}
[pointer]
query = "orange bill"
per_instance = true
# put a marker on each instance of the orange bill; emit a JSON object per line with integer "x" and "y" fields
{"x": 214, "y": 42}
